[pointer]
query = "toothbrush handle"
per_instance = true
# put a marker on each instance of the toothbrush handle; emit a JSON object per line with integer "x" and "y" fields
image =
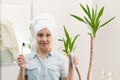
{"x": 22, "y": 50}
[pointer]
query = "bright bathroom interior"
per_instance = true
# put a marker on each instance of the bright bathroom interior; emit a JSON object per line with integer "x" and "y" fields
{"x": 106, "y": 66}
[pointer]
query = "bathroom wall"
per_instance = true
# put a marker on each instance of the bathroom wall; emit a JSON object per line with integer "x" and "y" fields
{"x": 107, "y": 42}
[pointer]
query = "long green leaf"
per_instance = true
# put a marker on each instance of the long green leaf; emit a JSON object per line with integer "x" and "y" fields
{"x": 73, "y": 42}
{"x": 68, "y": 39}
{"x": 60, "y": 40}
{"x": 96, "y": 28}
{"x": 93, "y": 14}
{"x": 107, "y": 22}
{"x": 66, "y": 33}
{"x": 64, "y": 42}
{"x": 65, "y": 46}
{"x": 93, "y": 19}
{"x": 99, "y": 14}
{"x": 78, "y": 18}
{"x": 85, "y": 10}
{"x": 96, "y": 10}
{"x": 89, "y": 23}
{"x": 89, "y": 14}
{"x": 74, "y": 48}
{"x": 65, "y": 52}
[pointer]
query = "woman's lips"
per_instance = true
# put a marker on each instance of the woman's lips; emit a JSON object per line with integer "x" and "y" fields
{"x": 44, "y": 44}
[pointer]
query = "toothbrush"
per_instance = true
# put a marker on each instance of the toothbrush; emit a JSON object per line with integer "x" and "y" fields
{"x": 22, "y": 50}
{"x": 23, "y": 45}
{"x": 23, "y": 72}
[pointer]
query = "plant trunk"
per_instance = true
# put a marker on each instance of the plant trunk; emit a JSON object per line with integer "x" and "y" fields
{"x": 91, "y": 57}
{"x": 71, "y": 70}
{"x": 78, "y": 72}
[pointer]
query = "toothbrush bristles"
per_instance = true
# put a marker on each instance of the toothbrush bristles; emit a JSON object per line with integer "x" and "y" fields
{"x": 23, "y": 44}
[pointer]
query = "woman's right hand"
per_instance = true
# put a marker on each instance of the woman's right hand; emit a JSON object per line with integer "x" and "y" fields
{"x": 21, "y": 61}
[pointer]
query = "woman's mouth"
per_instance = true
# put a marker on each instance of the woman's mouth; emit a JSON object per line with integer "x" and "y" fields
{"x": 44, "y": 44}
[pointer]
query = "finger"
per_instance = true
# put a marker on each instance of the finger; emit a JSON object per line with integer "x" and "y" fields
{"x": 76, "y": 61}
{"x": 20, "y": 63}
{"x": 21, "y": 60}
{"x": 20, "y": 57}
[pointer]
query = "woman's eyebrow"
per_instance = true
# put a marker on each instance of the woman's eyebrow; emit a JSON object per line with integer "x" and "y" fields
{"x": 40, "y": 33}
{"x": 48, "y": 33}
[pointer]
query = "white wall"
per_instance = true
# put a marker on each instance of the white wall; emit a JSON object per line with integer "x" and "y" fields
{"x": 107, "y": 42}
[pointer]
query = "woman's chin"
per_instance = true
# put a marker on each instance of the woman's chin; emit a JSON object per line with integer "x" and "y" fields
{"x": 45, "y": 46}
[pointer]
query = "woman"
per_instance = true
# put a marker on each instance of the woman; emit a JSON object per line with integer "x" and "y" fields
{"x": 43, "y": 63}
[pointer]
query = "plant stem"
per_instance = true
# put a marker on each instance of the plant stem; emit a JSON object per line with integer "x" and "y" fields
{"x": 78, "y": 72}
{"x": 71, "y": 70}
{"x": 91, "y": 57}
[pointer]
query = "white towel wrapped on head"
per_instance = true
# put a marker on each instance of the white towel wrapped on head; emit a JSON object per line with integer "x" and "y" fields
{"x": 44, "y": 21}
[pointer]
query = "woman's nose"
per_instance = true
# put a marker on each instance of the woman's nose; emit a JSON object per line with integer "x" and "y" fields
{"x": 44, "y": 38}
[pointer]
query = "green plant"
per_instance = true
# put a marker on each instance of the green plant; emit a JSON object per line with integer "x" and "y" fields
{"x": 29, "y": 46}
{"x": 68, "y": 42}
{"x": 30, "y": 41}
{"x": 69, "y": 48}
{"x": 93, "y": 20}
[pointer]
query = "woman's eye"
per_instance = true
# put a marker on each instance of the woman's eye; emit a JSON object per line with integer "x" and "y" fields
{"x": 48, "y": 35}
{"x": 40, "y": 35}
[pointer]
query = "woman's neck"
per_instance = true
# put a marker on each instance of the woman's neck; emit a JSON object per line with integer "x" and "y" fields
{"x": 43, "y": 52}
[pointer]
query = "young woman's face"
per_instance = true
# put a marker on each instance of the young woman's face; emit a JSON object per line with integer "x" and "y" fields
{"x": 44, "y": 39}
